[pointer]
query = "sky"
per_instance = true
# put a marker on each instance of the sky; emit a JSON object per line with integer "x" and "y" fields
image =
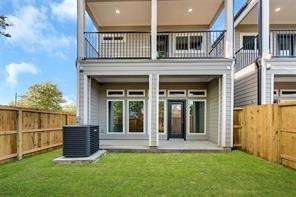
{"x": 43, "y": 46}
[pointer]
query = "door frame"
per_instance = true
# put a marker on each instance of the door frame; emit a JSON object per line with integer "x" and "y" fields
{"x": 183, "y": 102}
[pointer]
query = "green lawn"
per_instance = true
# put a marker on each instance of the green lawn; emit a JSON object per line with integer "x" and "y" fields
{"x": 125, "y": 174}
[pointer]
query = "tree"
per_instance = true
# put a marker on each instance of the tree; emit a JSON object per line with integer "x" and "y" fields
{"x": 45, "y": 96}
{"x": 69, "y": 108}
{"x": 4, "y": 24}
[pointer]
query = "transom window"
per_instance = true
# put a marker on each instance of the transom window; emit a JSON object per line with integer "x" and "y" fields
{"x": 193, "y": 42}
{"x": 288, "y": 93}
{"x": 136, "y": 93}
{"x": 197, "y": 93}
{"x": 113, "y": 38}
{"x": 177, "y": 93}
{"x": 115, "y": 93}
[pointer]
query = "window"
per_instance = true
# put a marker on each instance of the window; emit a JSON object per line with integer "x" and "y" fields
{"x": 112, "y": 38}
{"x": 197, "y": 93}
{"x": 197, "y": 117}
{"x": 288, "y": 93}
{"x": 115, "y": 93}
{"x": 250, "y": 42}
{"x": 193, "y": 42}
{"x": 136, "y": 116}
{"x": 115, "y": 115}
{"x": 136, "y": 93}
{"x": 181, "y": 43}
{"x": 161, "y": 116}
{"x": 286, "y": 43}
{"x": 162, "y": 93}
{"x": 177, "y": 93}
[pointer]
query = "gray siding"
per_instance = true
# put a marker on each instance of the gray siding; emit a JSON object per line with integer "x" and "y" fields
{"x": 81, "y": 99}
{"x": 229, "y": 110}
{"x": 245, "y": 90}
{"x": 94, "y": 107}
{"x": 213, "y": 111}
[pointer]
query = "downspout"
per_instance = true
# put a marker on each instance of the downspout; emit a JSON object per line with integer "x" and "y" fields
{"x": 259, "y": 82}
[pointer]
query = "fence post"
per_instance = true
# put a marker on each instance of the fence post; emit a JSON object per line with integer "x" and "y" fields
{"x": 20, "y": 135}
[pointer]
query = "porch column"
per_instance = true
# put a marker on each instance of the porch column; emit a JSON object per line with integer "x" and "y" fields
{"x": 153, "y": 110}
{"x": 154, "y": 29}
{"x": 80, "y": 29}
{"x": 229, "y": 35}
{"x": 263, "y": 21}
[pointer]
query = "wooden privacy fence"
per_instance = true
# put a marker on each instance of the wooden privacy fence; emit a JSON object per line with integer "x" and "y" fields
{"x": 267, "y": 131}
{"x": 25, "y": 131}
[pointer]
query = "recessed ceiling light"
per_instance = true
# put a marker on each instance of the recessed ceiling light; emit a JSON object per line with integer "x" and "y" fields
{"x": 190, "y": 10}
{"x": 277, "y": 9}
{"x": 117, "y": 11}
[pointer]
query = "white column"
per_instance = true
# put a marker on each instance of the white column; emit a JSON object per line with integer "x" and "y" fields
{"x": 154, "y": 29}
{"x": 85, "y": 99}
{"x": 153, "y": 110}
{"x": 264, "y": 23}
{"x": 223, "y": 111}
{"x": 229, "y": 36}
{"x": 80, "y": 29}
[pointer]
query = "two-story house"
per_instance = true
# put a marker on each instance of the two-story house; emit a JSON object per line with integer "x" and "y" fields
{"x": 265, "y": 43}
{"x": 155, "y": 71}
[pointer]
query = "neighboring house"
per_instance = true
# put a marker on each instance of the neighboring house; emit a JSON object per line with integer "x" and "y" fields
{"x": 266, "y": 61}
{"x": 154, "y": 70}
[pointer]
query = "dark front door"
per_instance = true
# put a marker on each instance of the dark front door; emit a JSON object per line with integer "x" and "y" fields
{"x": 176, "y": 119}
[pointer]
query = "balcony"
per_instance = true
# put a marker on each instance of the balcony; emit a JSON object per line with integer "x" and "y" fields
{"x": 170, "y": 45}
{"x": 282, "y": 44}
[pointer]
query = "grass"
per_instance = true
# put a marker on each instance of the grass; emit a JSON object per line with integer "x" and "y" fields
{"x": 127, "y": 174}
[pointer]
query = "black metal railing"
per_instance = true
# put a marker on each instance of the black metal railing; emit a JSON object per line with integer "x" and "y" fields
{"x": 117, "y": 45}
{"x": 283, "y": 43}
{"x": 248, "y": 54}
{"x": 193, "y": 44}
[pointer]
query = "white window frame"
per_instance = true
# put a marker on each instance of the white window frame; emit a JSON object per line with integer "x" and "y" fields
{"x": 197, "y": 96}
{"x": 287, "y": 96}
{"x": 177, "y": 96}
{"x": 188, "y": 35}
{"x": 141, "y": 90}
{"x": 164, "y": 95}
{"x": 123, "y": 117}
{"x": 102, "y": 36}
{"x": 242, "y": 40}
{"x": 110, "y": 90}
{"x": 276, "y": 92}
{"x": 165, "y": 117}
{"x": 188, "y": 119}
{"x": 144, "y": 117}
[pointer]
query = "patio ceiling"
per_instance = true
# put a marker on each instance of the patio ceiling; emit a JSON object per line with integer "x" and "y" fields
{"x": 281, "y": 12}
{"x": 137, "y": 12}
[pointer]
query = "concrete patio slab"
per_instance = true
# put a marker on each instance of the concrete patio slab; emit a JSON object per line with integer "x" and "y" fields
{"x": 81, "y": 160}
{"x": 172, "y": 145}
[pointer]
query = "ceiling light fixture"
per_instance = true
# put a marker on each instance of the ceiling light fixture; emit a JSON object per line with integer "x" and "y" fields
{"x": 190, "y": 10}
{"x": 277, "y": 9}
{"x": 117, "y": 11}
